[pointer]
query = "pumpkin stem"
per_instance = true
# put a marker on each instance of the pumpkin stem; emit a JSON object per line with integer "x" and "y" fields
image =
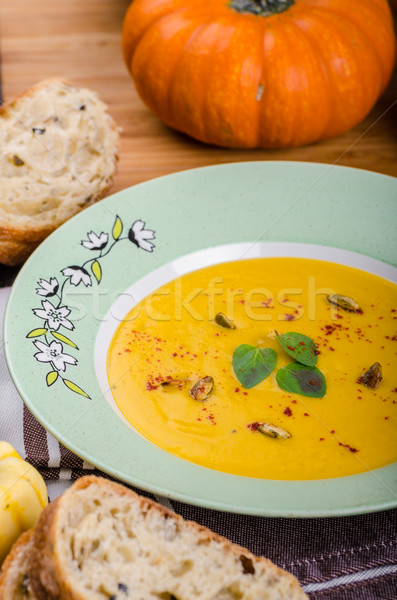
{"x": 263, "y": 8}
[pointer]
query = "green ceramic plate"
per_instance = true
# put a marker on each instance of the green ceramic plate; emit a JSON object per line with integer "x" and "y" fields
{"x": 72, "y": 292}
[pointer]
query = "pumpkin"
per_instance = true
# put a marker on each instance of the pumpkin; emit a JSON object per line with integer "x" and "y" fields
{"x": 259, "y": 73}
{"x": 23, "y": 495}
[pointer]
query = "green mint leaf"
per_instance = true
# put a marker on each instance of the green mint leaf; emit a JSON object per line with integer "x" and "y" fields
{"x": 300, "y": 347}
{"x": 252, "y": 365}
{"x": 300, "y": 379}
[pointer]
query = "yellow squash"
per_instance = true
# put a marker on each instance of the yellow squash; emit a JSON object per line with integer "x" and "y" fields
{"x": 23, "y": 495}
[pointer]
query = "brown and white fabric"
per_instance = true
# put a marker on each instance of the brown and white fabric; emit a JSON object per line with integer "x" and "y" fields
{"x": 348, "y": 558}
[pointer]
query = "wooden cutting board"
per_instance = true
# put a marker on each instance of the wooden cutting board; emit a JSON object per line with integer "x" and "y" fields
{"x": 80, "y": 40}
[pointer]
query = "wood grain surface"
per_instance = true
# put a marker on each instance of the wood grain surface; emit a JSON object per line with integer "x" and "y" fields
{"x": 80, "y": 40}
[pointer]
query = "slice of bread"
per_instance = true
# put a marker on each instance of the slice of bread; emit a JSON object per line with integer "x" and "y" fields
{"x": 58, "y": 155}
{"x": 101, "y": 541}
{"x": 14, "y": 578}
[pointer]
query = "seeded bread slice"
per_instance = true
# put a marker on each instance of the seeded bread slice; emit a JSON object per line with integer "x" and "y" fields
{"x": 58, "y": 155}
{"x": 14, "y": 578}
{"x": 101, "y": 541}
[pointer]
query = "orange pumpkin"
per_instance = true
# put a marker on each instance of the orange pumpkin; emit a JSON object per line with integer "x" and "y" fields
{"x": 260, "y": 73}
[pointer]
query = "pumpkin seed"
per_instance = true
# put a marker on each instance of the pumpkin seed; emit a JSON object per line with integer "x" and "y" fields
{"x": 344, "y": 302}
{"x": 202, "y": 389}
{"x": 373, "y": 377}
{"x": 223, "y": 321}
{"x": 273, "y": 431}
{"x": 18, "y": 162}
{"x": 174, "y": 382}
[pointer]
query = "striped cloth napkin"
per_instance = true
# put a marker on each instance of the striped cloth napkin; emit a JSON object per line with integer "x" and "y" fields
{"x": 349, "y": 558}
{"x": 57, "y": 464}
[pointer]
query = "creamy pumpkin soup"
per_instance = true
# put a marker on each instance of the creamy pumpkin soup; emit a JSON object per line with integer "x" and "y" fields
{"x": 276, "y": 368}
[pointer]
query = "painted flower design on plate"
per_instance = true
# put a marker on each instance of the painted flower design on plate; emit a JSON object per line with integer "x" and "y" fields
{"x": 53, "y": 353}
{"x": 55, "y": 315}
{"x": 140, "y": 236}
{"x": 47, "y": 288}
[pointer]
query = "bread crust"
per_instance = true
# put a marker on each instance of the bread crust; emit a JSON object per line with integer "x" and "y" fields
{"x": 18, "y": 242}
{"x": 42, "y": 569}
{"x": 15, "y": 253}
{"x": 12, "y": 577}
{"x": 49, "y": 577}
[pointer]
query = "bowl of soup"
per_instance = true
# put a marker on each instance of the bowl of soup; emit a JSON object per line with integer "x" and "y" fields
{"x": 223, "y": 336}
